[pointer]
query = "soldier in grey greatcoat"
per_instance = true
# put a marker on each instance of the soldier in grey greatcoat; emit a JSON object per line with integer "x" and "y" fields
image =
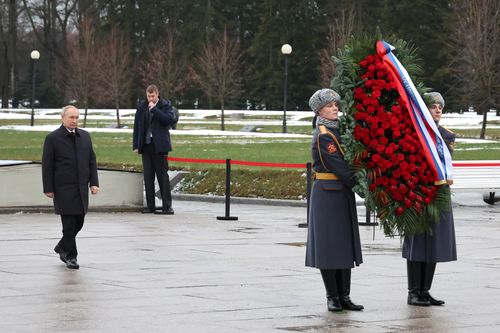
{"x": 423, "y": 251}
{"x": 333, "y": 242}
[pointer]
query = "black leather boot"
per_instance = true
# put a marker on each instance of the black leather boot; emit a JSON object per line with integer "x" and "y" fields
{"x": 344, "y": 286}
{"x": 414, "y": 272}
{"x": 429, "y": 269}
{"x": 333, "y": 303}
{"x": 332, "y": 294}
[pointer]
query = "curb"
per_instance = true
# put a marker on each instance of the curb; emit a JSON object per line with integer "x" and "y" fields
{"x": 248, "y": 201}
{"x": 240, "y": 200}
{"x": 50, "y": 209}
{"x": 203, "y": 198}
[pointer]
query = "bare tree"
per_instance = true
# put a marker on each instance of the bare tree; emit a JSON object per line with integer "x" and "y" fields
{"x": 476, "y": 58}
{"x": 114, "y": 75}
{"x": 79, "y": 76}
{"x": 165, "y": 66}
{"x": 339, "y": 33}
{"x": 8, "y": 42}
{"x": 217, "y": 70}
{"x": 50, "y": 21}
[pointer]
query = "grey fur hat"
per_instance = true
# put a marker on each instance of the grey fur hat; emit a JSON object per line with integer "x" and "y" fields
{"x": 321, "y": 98}
{"x": 433, "y": 98}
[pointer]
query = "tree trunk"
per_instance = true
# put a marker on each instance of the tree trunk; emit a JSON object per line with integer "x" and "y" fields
{"x": 86, "y": 106}
{"x": 12, "y": 46}
{"x": 222, "y": 127}
{"x": 52, "y": 41}
{"x": 7, "y": 52}
{"x": 484, "y": 110}
{"x": 118, "y": 125}
{"x": 210, "y": 102}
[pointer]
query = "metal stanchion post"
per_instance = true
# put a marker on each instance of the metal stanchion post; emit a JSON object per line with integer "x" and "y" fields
{"x": 368, "y": 219}
{"x": 308, "y": 193}
{"x": 227, "y": 217}
{"x": 368, "y": 222}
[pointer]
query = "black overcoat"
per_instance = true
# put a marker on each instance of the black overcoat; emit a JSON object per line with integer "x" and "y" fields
{"x": 161, "y": 118}
{"x": 69, "y": 169}
{"x": 333, "y": 240}
{"x": 440, "y": 244}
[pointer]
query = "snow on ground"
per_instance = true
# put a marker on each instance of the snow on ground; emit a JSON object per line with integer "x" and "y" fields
{"x": 464, "y": 140}
{"x": 468, "y": 120}
{"x": 187, "y": 116}
{"x": 50, "y": 128}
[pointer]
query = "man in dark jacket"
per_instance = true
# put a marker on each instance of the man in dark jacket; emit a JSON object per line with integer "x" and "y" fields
{"x": 68, "y": 169}
{"x": 153, "y": 119}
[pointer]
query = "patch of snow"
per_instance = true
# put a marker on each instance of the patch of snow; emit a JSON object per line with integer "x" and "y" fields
{"x": 467, "y": 120}
{"x": 214, "y": 133}
{"x": 465, "y": 140}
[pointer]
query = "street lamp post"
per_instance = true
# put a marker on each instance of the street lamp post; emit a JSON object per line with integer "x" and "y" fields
{"x": 35, "y": 55}
{"x": 286, "y": 49}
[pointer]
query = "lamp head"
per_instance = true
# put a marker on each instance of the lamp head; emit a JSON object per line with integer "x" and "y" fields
{"x": 35, "y": 55}
{"x": 286, "y": 49}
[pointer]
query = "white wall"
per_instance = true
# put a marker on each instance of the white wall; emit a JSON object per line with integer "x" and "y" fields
{"x": 21, "y": 185}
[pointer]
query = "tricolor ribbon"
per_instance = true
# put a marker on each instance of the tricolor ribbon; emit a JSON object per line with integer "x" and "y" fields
{"x": 436, "y": 152}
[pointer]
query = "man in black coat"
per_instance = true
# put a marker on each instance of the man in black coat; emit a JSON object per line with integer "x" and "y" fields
{"x": 151, "y": 138}
{"x": 68, "y": 170}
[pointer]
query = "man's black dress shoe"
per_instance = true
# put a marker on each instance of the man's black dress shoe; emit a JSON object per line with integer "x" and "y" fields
{"x": 347, "y": 304}
{"x": 415, "y": 298}
{"x": 62, "y": 254}
{"x": 147, "y": 211}
{"x": 72, "y": 263}
{"x": 333, "y": 304}
{"x": 425, "y": 295}
{"x": 169, "y": 211}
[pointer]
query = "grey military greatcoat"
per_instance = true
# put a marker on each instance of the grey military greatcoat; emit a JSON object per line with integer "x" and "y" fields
{"x": 333, "y": 235}
{"x": 440, "y": 244}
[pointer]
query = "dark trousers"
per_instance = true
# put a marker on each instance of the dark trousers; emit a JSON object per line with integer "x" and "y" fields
{"x": 156, "y": 164}
{"x": 71, "y": 225}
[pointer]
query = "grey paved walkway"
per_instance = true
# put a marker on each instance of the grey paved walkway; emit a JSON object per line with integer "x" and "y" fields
{"x": 192, "y": 273}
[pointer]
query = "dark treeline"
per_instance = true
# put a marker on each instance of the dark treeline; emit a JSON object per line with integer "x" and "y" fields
{"x": 207, "y": 53}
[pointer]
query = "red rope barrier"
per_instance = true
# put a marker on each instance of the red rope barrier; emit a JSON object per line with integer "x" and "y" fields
{"x": 476, "y": 164}
{"x": 195, "y": 160}
{"x": 270, "y": 164}
{"x": 248, "y": 163}
{"x": 302, "y": 165}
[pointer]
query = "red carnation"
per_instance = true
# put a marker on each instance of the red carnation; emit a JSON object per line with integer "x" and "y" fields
{"x": 399, "y": 211}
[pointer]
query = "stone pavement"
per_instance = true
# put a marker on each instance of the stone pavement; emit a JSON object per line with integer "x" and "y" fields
{"x": 192, "y": 273}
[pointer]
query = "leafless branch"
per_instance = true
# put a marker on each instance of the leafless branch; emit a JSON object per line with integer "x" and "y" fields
{"x": 217, "y": 70}
{"x": 476, "y": 53}
{"x": 114, "y": 74}
{"x": 339, "y": 33}
{"x": 165, "y": 66}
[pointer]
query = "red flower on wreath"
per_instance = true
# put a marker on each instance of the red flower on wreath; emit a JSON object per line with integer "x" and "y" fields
{"x": 399, "y": 179}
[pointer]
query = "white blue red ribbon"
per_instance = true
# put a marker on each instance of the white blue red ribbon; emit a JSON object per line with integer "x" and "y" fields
{"x": 436, "y": 152}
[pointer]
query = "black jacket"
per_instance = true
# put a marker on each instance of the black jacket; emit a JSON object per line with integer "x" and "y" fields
{"x": 162, "y": 119}
{"x": 68, "y": 169}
